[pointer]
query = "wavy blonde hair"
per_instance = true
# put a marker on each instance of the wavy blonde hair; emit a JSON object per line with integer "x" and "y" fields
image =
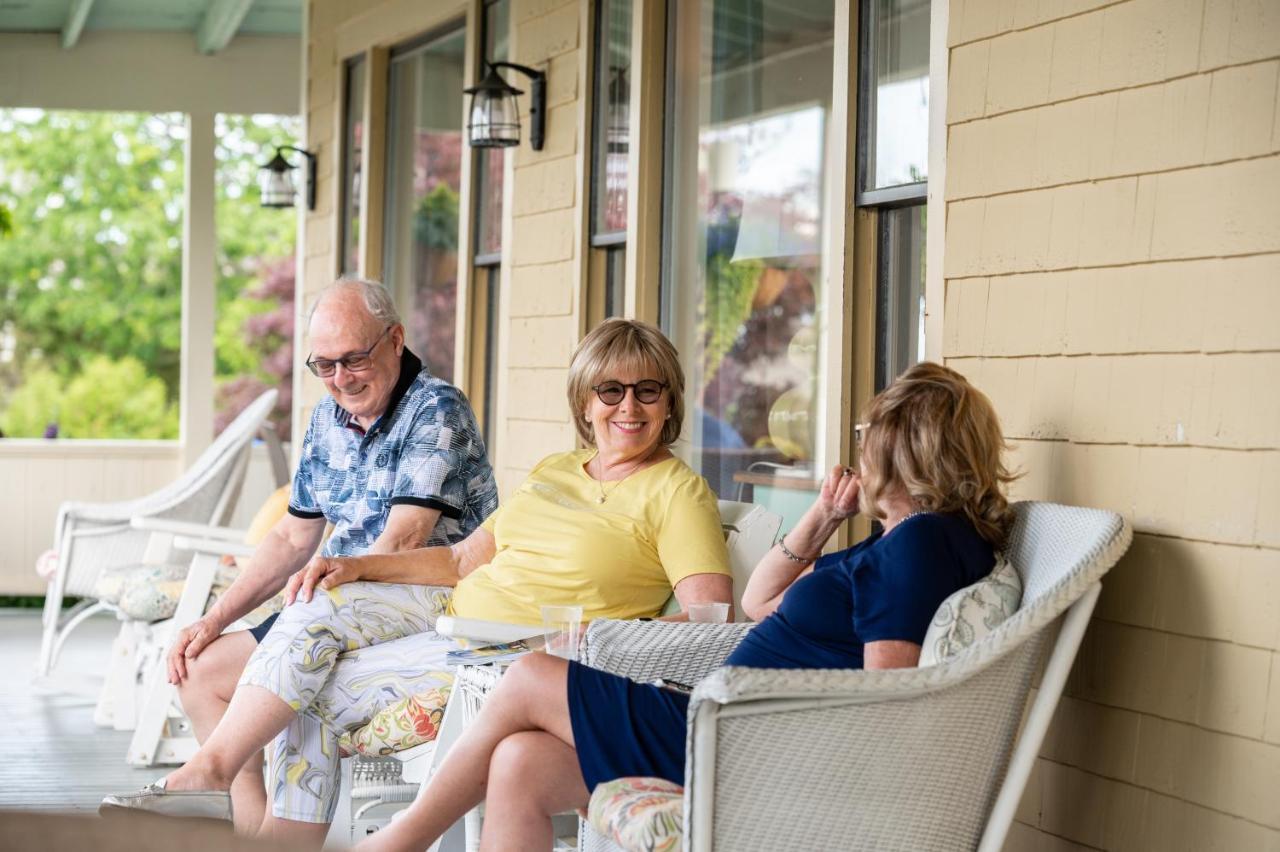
{"x": 623, "y": 345}
{"x": 936, "y": 438}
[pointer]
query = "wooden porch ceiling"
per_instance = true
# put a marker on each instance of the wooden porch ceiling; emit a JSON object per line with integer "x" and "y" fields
{"x": 213, "y": 23}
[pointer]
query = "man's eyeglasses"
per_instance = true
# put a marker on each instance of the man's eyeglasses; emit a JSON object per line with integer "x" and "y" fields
{"x": 647, "y": 391}
{"x": 356, "y": 362}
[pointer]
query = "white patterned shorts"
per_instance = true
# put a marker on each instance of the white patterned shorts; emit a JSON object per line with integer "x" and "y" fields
{"x": 338, "y": 660}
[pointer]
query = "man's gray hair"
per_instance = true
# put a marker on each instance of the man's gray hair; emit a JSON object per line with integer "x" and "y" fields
{"x": 376, "y": 298}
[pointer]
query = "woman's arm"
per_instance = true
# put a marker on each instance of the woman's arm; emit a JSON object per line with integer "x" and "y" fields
{"x": 837, "y": 501}
{"x": 702, "y": 588}
{"x": 890, "y": 654}
{"x": 426, "y": 566}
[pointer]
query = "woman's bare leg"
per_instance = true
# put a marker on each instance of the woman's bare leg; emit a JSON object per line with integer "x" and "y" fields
{"x": 530, "y": 697}
{"x": 205, "y": 694}
{"x": 533, "y": 776}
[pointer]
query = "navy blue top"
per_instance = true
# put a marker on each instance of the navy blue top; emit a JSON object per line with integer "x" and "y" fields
{"x": 884, "y": 587}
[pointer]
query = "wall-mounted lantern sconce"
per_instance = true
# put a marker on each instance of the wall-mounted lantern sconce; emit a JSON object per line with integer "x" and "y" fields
{"x": 495, "y": 116}
{"x": 278, "y": 189}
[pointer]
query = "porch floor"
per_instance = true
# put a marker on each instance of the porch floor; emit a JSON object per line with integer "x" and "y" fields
{"x": 56, "y": 759}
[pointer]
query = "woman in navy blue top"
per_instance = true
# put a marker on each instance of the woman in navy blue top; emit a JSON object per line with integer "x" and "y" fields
{"x": 929, "y": 471}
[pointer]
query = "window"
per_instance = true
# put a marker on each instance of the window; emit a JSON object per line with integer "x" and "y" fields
{"x": 489, "y": 160}
{"x": 424, "y": 178}
{"x": 610, "y": 156}
{"x": 487, "y": 263}
{"x": 893, "y": 157}
{"x": 352, "y": 151}
{"x": 750, "y": 87}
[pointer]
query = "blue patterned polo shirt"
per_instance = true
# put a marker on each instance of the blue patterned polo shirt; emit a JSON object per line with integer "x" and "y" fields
{"x": 426, "y": 450}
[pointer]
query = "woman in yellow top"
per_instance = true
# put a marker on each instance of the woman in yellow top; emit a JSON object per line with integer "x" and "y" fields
{"x": 613, "y": 528}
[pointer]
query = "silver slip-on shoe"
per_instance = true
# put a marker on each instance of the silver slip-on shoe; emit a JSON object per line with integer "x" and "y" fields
{"x": 155, "y": 799}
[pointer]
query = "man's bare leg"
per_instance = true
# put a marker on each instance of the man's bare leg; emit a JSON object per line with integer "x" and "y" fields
{"x": 205, "y": 694}
{"x": 292, "y": 833}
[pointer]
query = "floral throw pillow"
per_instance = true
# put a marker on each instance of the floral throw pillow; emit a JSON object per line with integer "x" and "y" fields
{"x": 971, "y": 613}
{"x": 639, "y": 813}
{"x": 403, "y": 725}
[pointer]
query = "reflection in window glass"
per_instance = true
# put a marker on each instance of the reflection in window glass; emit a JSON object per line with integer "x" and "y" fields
{"x": 489, "y": 160}
{"x": 612, "y": 111}
{"x": 424, "y": 116}
{"x": 615, "y": 277}
{"x": 746, "y": 204}
{"x": 899, "y": 292}
{"x": 896, "y": 110}
{"x": 353, "y": 145}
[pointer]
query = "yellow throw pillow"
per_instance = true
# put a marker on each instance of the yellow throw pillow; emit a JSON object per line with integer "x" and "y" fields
{"x": 272, "y": 510}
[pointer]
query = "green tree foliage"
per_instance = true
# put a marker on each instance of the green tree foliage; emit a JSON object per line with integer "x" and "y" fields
{"x": 107, "y": 399}
{"x": 93, "y": 269}
{"x": 34, "y": 405}
{"x": 117, "y": 399}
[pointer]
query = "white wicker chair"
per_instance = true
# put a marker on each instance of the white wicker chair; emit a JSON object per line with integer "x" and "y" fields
{"x": 90, "y": 537}
{"x": 920, "y": 759}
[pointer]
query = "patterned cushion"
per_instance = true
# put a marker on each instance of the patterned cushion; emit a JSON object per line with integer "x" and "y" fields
{"x": 409, "y": 722}
{"x": 639, "y": 814}
{"x": 971, "y": 613}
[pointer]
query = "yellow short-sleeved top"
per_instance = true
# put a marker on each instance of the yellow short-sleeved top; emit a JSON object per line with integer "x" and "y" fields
{"x": 557, "y": 544}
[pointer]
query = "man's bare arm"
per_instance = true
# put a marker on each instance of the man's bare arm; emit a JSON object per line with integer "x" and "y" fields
{"x": 407, "y": 528}
{"x": 285, "y": 549}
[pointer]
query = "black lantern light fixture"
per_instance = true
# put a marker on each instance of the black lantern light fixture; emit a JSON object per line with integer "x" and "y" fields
{"x": 495, "y": 115}
{"x": 278, "y": 189}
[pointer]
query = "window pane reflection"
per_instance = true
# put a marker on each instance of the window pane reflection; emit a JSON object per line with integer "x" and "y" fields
{"x": 424, "y": 102}
{"x": 899, "y": 292}
{"x": 897, "y": 112}
{"x": 746, "y": 206}
{"x": 489, "y": 160}
{"x": 353, "y": 145}
{"x": 612, "y": 117}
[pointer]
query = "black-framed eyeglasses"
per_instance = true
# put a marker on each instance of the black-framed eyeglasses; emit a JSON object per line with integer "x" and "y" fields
{"x": 646, "y": 391}
{"x": 356, "y": 362}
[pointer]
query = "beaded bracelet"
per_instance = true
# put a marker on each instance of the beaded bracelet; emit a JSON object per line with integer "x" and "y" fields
{"x": 786, "y": 551}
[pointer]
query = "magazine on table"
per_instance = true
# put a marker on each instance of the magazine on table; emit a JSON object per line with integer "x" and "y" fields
{"x": 472, "y": 652}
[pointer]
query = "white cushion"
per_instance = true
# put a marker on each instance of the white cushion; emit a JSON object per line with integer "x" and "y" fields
{"x": 971, "y": 613}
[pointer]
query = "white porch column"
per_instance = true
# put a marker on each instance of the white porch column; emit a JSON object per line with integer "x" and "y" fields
{"x": 199, "y": 291}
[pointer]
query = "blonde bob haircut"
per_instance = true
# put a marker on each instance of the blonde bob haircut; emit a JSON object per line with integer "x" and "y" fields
{"x": 935, "y": 438}
{"x": 618, "y": 346}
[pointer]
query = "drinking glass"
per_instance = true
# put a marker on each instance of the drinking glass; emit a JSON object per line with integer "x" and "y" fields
{"x": 560, "y": 626}
{"x": 709, "y": 613}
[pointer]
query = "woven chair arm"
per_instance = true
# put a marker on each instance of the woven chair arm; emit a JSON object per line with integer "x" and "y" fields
{"x": 738, "y": 685}
{"x": 907, "y": 758}
{"x": 643, "y": 650}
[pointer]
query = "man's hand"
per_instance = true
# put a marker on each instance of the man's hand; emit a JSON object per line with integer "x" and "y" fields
{"x": 191, "y": 640}
{"x": 325, "y": 572}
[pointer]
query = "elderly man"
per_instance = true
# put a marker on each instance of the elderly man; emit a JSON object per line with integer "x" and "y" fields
{"x": 393, "y": 459}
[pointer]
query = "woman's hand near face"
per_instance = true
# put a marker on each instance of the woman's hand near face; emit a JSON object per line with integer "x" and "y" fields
{"x": 838, "y": 499}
